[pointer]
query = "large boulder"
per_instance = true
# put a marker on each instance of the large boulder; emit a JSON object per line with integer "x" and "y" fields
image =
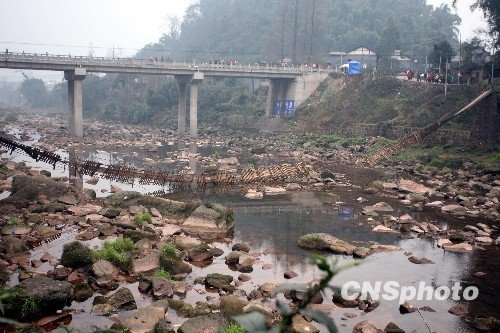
{"x": 145, "y": 319}
{"x": 29, "y": 188}
{"x": 12, "y": 245}
{"x": 232, "y": 306}
{"x": 149, "y": 263}
{"x": 454, "y": 209}
{"x": 104, "y": 269}
{"x": 211, "y": 323}
{"x": 36, "y": 297}
{"x": 211, "y": 222}
{"x": 366, "y": 327}
{"x": 125, "y": 199}
{"x": 218, "y": 281}
{"x": 165, "y": 288}
{"x": 123, "y": 299}
{"x": 323, "y": 241}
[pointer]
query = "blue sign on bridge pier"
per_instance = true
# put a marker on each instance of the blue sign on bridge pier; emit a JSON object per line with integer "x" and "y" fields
{"x": 288, "y": 109}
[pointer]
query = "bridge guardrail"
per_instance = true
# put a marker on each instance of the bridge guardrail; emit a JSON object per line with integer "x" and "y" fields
{"x": 124, "y": 62}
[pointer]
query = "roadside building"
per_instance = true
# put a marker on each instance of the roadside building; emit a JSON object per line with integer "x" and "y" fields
{"x": 367, "y": 57}
{"x": 402, "y": 61}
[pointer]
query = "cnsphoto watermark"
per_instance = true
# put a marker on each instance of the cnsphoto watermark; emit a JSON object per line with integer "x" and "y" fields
{"x": 393, "y": 290}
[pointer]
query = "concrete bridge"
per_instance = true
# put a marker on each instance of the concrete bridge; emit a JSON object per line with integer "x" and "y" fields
{"x": 285, "y": 83}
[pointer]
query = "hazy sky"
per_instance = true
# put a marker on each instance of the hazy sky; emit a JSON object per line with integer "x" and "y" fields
{"x": 77, "y": 25}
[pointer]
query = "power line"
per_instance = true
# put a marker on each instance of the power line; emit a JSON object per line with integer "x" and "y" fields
{"x": 130, "y": 48}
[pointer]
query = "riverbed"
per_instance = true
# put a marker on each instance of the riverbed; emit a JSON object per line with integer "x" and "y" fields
{"x": 272, "y": 225}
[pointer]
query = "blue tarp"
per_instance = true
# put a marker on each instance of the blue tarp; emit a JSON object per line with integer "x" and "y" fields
{"x": 354, "y": 68}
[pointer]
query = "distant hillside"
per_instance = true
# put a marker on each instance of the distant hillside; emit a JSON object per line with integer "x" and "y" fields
{"x": 252, "y": 30}
{"x": 366, "y": 106}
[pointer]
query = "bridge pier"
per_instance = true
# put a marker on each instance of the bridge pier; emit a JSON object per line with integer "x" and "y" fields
{"x": 182, "y": 81}
{"x": 193, "y": 81}
{"x": 193, "y": 105}
{"x": 75, "y": 100}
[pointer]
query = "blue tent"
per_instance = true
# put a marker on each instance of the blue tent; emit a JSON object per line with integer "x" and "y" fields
{"x": 354, "y": 68}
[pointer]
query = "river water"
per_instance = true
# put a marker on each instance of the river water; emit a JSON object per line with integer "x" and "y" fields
{"x": 272, "y": 226}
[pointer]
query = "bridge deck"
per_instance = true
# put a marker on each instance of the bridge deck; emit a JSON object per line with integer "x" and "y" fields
{"x": 149, "y": 67}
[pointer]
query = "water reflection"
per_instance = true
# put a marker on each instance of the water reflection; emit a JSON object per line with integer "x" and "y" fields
{"x": 193, "y": 149}
{"x": 75, "y": 178}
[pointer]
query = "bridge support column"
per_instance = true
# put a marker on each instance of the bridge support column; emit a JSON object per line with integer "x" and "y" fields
{"x": 75, "y": 100}
{"x": 182, "y": 81}
{"x": 278, "y": 90}
{"x": 271, "y": 97}
{"x": 193, "y": 105}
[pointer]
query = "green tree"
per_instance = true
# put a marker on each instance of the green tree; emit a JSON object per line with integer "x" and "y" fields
{"x": 469, "y": 51}
{"x": 390, "y": 40}
{"x": 34, "y": 92}
{"x": 440, "y": 53}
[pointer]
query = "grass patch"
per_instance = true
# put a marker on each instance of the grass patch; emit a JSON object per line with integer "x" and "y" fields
{"x": 29, "y": 306}
{"x": 163, "y": 273}
{"x": 141, "y": 218}
{"x": 15, "y": 221}
{"x": 234, "y": 328}
{"x": 118, "y": 252}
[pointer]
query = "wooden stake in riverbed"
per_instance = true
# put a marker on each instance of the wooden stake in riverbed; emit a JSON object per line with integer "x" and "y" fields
{"x": 417, "y": 136}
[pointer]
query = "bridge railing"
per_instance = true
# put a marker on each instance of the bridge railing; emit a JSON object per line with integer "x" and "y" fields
{"x": 132, "y": 62}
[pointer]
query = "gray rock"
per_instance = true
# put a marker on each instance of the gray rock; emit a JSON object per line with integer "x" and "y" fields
{"x": 144, "y": 320}
{"x": 242, "y": 247}
{"x": 149, "y": 263}
{"x": 217, "y": 281}
{"x": 207, "y": 223}
{"x": 233, "y": 258}
{"x": 393, "y": 328}
{"x": 202, "y": 324}
{"x": 420, "y": 261}
{"x": 366, "y": 326}
{"x": 323, "y": 241}
{"x": 103, "y": 268}
{"x": 52, "y": 294}
{"x": 122, "y": 299}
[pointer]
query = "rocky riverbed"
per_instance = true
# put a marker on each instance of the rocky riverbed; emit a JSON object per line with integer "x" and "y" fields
{"x": 85, "y": 251}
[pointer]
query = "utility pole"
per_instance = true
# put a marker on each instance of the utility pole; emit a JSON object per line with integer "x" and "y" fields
{"x": 446, "y": 80}
{"x": 283, "y": 33}
{"x": 460, "y": 59}
{"x": 440, "y": 64}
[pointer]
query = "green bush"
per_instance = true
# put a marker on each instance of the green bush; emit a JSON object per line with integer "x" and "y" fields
{"x": 234, "y": 328}
{"x": 141, "y": 218}
{"x": 76, "y": 255}
{"x": 169, "y": 250}
{"x": 163, "y": 273}
{"x": 118, "y": 252}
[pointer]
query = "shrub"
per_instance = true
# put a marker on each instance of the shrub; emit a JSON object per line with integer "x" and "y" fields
{"x": 169, "y": 250}
{"x": 144, "y": 217}
{"x": 118, "y": 252}
{"x": 76, "y": 255}
{"x": 15, "y": 221}
{"x": 163, "y": 273}
{"x": 234, "y": 328}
